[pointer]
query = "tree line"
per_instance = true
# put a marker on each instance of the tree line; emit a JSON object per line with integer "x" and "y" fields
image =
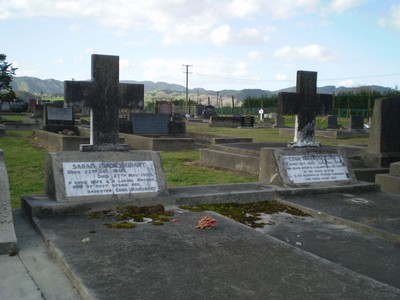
{"x": 352, "y": 99}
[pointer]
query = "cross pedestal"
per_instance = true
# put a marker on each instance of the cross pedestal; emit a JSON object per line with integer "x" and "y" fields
{"x": 306, "y": 104}
{"x": 104, "y": 95}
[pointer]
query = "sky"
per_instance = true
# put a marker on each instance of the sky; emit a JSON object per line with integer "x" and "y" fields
{"x": 228, "y": 44}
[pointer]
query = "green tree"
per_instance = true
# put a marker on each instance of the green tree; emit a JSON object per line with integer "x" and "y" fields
{"x": 6, "y": 76}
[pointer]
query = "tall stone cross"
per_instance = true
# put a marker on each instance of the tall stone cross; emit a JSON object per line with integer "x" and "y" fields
{"x": 104, "y": 95}
{"x": 306, "y": 104}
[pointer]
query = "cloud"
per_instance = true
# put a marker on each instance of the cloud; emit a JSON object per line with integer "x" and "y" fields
{"x": 281, "y": 77}
{"x": 313, "y": 52}
{"x": 340, "y": 6}
{"x": 220, "y": 35}
{"x": 347, "y": 83}
{"x": 177, "y": 21}
{"x": 391, "y": 21}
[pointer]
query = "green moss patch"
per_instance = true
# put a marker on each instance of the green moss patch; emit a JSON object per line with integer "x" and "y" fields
{"x": 132, "y": 212}
{"x": 248, "y": 213}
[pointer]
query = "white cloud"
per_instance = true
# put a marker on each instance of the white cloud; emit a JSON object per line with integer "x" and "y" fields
{"x": 339, "y": 6}
{"x": 347, "y": 83}
{"x": 281, "y": 77}
{"x": 254, "y": 55}
{"x": 220, "y": 35}
{"x": 313, "y": 52}
{"x": 392, "y": 20}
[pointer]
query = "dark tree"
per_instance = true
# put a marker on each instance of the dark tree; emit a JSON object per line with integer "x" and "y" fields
{"x": 6, "y": 76}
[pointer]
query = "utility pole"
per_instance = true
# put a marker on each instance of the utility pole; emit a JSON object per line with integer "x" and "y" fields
{"x": 187, "y": 81}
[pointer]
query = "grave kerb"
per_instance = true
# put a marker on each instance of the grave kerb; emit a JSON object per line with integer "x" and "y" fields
{"x": 305, "y": 167}
{"x": 8, "y": 240}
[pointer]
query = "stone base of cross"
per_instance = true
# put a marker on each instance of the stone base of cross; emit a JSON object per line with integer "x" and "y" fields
{"x": 104, "y": 95}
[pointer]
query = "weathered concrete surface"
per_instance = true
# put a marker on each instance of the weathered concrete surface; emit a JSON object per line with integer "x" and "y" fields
{"x": 349, "y": 249}
{"x": 177, "y": 261}
{"x": 390, "y": 182}
{"x": 8, "y": 240}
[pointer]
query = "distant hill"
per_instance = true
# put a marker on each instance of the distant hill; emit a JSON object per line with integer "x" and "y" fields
{"x": 37, "y": 86}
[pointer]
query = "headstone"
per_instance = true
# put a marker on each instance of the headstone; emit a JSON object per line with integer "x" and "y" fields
{"x": 31, "y": 105}
{"x": 302, "y": 167}
{"x": 279, "y": 121}
{"x": 8, "y": 240}
{"x": 103, "y": 172}
{"x": 5, "y": 106}
{"x": 356, "y": 122}
{"x": 38, "y": 111}
{"x": 261, "y": 114}
{"x": 306, "y": 104}
{"x": 384, "y": 138}
{"x": 247, "y": 121}
{"x": 104, "y": 95}
{"x": 150, "y": 123}
{"x": 209, "y": 111}
{"x": 164, "y": 107}
{"x": 58, "y": 116}
{"x": 332, "y": 122}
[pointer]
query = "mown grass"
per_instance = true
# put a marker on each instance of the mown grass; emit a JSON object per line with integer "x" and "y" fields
{"x": 269, "y": 135}
{"x": 25, "y": 162}
{"x": 25, "y": 165}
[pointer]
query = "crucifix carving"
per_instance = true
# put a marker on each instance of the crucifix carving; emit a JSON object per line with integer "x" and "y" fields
{"x": 306, "y": 104}
{"x": 104, "y": 95}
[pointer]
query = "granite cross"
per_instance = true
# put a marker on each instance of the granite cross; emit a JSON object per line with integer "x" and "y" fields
{"x": 104, "y": 95}
{"x": 306, "y": 103}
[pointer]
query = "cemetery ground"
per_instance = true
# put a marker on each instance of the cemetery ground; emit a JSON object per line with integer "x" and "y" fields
{"x": 345, "y": 250}
{"x": 25, "y": 160}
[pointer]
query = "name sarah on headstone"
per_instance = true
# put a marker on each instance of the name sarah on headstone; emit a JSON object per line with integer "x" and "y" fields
{"x": 106, "y": 178}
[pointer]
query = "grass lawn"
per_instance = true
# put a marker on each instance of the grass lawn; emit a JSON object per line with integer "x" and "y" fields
{"x": 25, "y": 162}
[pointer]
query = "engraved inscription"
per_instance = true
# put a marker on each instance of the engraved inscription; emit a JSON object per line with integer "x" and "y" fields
{"x": 316, "y": 168}
{"x": 107, "y": 178}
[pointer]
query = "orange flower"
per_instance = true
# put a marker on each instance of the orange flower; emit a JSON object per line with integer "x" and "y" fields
{"x": 206, "y": 222}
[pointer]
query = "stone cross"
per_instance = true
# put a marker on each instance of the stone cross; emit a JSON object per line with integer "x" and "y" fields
{"x": 104, "y": 95}
{"x": 306, "y": 104}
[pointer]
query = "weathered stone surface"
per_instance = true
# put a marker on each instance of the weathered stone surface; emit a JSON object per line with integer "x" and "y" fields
{"x": 102, "y": 183}
{"x": 296, "y": 167}
{"x": 384, "y": 139}
{"x": 8, "y": 240}
{"x": 104, "y": 95}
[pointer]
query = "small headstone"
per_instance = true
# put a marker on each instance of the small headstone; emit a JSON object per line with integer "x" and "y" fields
{"x": 384, "y": 138}
{"x": 150, "y": 123}
{"x": 272, "y": 115}
{"x": 332, "y": 122}
{"x": 356, "y": 122}
{"x": 300, "y": 167}
{"x": 38, "y": 111}
{"x": 58, "y": 116}
{"x": 8, "y": 240}
{"x": 5, "y": 106}
{"x": 31, "y": 105}
{"x": 247, "y": 121}
{"x": 279, "y": 122}
{"x": 164, "y": 108}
